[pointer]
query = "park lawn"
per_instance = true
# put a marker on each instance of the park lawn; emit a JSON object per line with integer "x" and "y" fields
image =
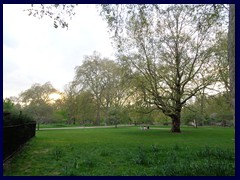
{"x": 127, "y": 151}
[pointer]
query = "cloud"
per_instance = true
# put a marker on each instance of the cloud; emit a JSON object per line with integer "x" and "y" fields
{"x": 35, "y": 52}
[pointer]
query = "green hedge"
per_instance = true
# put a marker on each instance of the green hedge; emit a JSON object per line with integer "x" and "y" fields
{"x": 17, "y": 130}
{"x": 10, "y": 119}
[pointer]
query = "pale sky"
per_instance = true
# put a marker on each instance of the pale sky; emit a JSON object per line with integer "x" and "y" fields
{"x": 35, "y": 52}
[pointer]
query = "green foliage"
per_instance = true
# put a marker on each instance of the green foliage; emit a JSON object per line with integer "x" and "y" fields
{"x": 113, "y": 116}
{"x": 103, "y": 85}
{"x": 85, "y": 107}
{"x": 38, "y": 94}
{"x": 7, "y": 105}
{"x": 16, "y": 119}
{"x": 190, "y": 113}
{"x": 218, "y": 104}
{"x": 58, "y": 116}
{"x": 144, "y": 115}
{"x": 216, "y": 109}
{"x": 42, "y": 112}
{"x": 10, "y": 107}
{"x": 37, "y": 102}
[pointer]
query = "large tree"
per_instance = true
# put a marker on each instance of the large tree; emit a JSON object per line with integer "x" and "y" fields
{"x": 89, "y": 75}
{"x": 104, "y": 79}
{"x": 168, "y": 47}
{"x": 78, "y": 104}
{"x": 37, "y": 101}
{"x": 38, "y": 93}
{"x": 70, "y": 102}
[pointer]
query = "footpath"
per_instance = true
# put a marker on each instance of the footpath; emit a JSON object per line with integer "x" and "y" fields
{"x": 83, "y": 127}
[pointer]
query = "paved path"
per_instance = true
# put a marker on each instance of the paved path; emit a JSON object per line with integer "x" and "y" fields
{"x": 82, "y": 127}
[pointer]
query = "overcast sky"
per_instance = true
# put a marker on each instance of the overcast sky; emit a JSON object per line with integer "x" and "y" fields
{"x": 35, "y": 52}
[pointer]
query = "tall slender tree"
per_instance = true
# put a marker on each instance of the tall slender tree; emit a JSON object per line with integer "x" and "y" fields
{"x": 231, "y": 54}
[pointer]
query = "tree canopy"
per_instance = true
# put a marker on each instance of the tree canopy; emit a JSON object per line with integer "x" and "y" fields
{"x": 169, "y": 49}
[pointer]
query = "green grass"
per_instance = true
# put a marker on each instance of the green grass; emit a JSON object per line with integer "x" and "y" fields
{"x": 57, "y": 125}
{"x": 127, "y": 151}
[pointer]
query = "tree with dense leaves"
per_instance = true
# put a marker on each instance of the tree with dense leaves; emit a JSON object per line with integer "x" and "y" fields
{"x": 85, "y": 107}
{"x": 37, "y": 102}
{"x": 38, "y": 93}
{"x": 103, "y": 78}
{"x": 89, "y": 75}
{"x": 70, "y": 102}
{"x": 9, "y": 106}
{"x": 78, "y": 105}
{"x": 221, "y": 56}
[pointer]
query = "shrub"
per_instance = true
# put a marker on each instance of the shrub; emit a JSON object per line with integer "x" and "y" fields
{"x": 16, "y": 119}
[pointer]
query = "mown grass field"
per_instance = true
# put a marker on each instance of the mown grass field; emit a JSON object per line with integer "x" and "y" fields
{"x": 127, "y": 151}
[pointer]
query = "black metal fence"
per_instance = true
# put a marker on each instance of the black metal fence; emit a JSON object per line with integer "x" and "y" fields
{"x": 15, "y": 136}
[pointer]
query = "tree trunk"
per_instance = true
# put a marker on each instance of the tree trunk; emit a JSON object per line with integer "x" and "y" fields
{"x": 176, "y": 122}
{"x": 231, "y": 55}
{"x": 97, "y": 122}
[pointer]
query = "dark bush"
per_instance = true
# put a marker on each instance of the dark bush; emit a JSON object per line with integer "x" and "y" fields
{"x": 17, "y": 130}
{"x": 10, "y": 119}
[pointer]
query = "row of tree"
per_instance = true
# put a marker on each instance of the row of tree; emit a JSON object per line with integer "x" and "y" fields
{"x": 166, "y": 56}
{"x": 105, "y": 92}
{"x": 80, "y": 107}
